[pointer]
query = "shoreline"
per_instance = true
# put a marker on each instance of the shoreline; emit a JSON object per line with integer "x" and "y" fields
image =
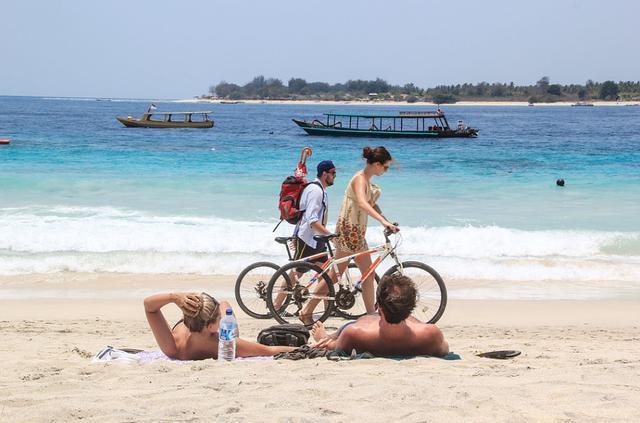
{"x": 88, "y": 295}
{"x": 405, "y": 104}
{"x": 112, "y": 286}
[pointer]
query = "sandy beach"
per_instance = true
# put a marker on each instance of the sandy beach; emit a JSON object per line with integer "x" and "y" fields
{"x": 579, "y": 362}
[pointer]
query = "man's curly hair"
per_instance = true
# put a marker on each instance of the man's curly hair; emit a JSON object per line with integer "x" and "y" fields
{"x": 396, "y": 296}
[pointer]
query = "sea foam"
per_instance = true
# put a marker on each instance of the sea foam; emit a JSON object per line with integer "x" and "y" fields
{"x": 53, "y": 239}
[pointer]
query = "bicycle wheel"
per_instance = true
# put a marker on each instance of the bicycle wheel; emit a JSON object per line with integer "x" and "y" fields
{"x": 432, "y": 293}
{"x": 293, "y": 286}
{"x": 251, "y": 288}
{"x": 350, "y": 305}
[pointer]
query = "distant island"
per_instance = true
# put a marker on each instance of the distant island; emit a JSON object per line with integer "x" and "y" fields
{"x": 543, "y": 91}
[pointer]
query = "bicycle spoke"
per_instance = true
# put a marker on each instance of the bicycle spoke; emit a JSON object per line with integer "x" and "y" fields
{"x": 293, "y": 288}
{"x": 251, "y": 288}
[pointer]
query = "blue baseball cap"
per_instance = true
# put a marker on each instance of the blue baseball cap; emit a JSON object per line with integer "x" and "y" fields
{"x": 324, "y": 166}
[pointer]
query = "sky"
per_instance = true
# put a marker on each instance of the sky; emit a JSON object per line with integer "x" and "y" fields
{"x": 178, "y": 49}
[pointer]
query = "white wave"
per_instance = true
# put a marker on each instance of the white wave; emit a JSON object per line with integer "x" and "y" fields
{"x": 83, "y": 239}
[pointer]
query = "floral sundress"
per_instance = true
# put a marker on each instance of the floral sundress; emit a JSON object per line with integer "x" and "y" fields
{"x": 352, "y": 220}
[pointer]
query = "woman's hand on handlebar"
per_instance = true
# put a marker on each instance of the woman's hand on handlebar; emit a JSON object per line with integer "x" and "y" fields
{"x": 391, "y": 228}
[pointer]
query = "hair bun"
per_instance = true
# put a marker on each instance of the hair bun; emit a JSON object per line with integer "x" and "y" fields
{"x": 376, "y": 155}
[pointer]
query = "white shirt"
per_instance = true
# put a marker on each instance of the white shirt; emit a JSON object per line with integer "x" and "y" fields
{"x": 314, "y": 201}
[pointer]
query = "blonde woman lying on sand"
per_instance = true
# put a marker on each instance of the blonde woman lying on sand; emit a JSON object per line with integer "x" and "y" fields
{"x": 195, "y": 337}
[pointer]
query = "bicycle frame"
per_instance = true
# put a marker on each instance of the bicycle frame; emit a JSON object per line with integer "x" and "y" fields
{"x": 384, "y": 250}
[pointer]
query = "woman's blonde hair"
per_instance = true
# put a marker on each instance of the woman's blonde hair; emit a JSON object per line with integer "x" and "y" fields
{"x": 208, "y": 312}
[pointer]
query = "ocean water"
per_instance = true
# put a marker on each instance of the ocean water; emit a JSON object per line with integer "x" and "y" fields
{"x": 80, "y": 192}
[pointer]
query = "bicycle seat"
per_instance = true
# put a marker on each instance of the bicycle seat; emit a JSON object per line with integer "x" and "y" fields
{"x": 283, "y": 239}
{"x": 325, "y": 238}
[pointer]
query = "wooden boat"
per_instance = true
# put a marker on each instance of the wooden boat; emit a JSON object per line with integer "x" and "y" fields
{"x": 401, "y": 125}
{"x": 5, "y": 142}
{"x": 169, "y": 120}
{"x": 582, "y": 104}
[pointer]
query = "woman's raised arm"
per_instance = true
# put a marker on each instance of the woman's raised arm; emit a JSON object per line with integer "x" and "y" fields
{"x": 158, "y": 323}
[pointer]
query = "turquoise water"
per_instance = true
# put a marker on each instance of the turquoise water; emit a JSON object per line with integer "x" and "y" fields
{"x": 80, "y": 192}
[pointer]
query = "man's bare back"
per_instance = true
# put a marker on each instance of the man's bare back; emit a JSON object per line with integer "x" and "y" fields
{"x": 373, "y": 334}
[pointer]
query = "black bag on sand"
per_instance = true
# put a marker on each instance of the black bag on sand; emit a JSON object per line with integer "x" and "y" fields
{"x": 290, "y": 335}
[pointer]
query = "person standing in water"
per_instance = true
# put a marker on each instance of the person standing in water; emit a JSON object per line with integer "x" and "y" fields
{"x": 360, "y": 202}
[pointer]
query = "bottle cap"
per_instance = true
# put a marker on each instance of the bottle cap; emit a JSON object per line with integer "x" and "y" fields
{"x": 229, "y": 312}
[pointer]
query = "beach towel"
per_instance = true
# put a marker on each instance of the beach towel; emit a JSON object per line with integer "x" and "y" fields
{"x": 307, "y": 352}
{"x": 128, "y": 355}
{"x": 340, "y": 355}
{"x": 125, "y": 355}
{"x": 304, "y": 352}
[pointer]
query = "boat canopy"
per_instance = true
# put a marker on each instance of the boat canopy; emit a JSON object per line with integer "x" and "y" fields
{"x": 178, "y": 113}
{"x": 413, "y": 115}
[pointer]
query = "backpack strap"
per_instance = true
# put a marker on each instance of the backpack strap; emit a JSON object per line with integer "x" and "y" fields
{"x": 274, "y": 229}
{"x": 324, "y": 206}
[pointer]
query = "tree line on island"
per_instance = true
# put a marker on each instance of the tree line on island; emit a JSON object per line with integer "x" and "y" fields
{"x": 543, "y": 91}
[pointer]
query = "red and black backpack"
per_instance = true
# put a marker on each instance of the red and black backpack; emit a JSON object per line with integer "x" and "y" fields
{"x": 289, "y": 202}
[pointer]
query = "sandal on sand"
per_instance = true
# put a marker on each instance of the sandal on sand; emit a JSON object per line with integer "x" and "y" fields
{"x": 500, "y": 355}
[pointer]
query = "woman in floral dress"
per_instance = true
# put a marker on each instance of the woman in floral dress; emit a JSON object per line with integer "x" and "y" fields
{"x": 360, "y": 202}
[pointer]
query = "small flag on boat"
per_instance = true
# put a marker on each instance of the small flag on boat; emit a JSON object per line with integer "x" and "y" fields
{"x": 152, "y": 107}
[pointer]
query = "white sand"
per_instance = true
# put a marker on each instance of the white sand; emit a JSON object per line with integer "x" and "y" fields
{"x": 579, "y": 362}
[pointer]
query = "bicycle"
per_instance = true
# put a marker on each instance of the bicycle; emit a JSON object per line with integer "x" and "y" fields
{"x": 251, "y": 284}
{"x": 303, "y": 286}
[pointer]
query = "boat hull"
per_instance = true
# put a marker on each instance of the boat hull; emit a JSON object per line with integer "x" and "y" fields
{"x": 312, "y": 129}
{"x": 138, "y": 123}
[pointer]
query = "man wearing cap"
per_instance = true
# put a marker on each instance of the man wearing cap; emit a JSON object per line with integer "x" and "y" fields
{"x": 314, "y": 201}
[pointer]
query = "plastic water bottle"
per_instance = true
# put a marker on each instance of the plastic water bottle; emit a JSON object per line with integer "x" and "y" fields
{"x": 227, "y": 335}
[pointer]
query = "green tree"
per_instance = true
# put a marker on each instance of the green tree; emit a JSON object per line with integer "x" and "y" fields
{"x": 554, "y": 89}
{"x": 542, "y": 85}
{"x": 583, "y": 94}
{"x": 609, "y": 90}
{"x": 409, "y": 88}
{"x": 252, "y": 88}
{"x": 296, "y": 85}
{"x": 226, "y": 90}
{"x": 443, "y": 99}
{"x": 317, "y": 87}
{"x": 498, "y": 90}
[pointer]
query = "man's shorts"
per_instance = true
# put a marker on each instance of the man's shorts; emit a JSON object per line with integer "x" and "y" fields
{"x": 303, "y": 250}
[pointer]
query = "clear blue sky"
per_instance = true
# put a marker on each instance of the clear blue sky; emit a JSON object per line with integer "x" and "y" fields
{"x": 177, "y": 49}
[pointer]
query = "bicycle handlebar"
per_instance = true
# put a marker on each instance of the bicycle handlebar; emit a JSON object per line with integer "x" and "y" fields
{"x": 388, "y": 231}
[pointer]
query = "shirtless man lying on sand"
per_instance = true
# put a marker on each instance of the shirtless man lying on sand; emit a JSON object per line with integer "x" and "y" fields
{"x": 391, "y": 332}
